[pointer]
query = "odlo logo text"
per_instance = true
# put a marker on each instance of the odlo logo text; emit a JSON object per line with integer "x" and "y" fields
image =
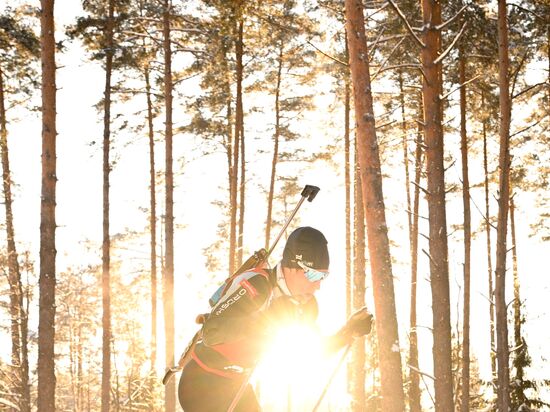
{"x": 231, "y": 300}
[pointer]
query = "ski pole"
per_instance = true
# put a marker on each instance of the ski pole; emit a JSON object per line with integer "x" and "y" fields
{"x": 332, "y": 377}
{"x": 309, "y": 192}
{"x": 241, "y": 390}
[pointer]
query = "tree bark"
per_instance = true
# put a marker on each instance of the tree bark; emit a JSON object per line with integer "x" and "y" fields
{"x": 168, "y": 291}
{"x": 492, "y": 351}
{"x": 349, "y": 230}
{"x": 17, "y": 311}
{"x": 465, "y": 390}
{"x": 46, "y": 325}
{"x": 405, "y": 145}
{"x": 520, "y": 362}
{"x": 106, "y": 249}
{"x": 240, "y": 123}
{"x": 236, "y": 153}
{"x": 358, "y": 296}
{"x": 347, "y": 185}
{"x": 517, "y": 298}
{"x": 152, "y": 220}
{"x": 377, "y": 230}
{"x": 438, "y": 249}
{"x": 275, "y": 158}
{"x": 414, "y": 388}
{"x": 503, "y": 387}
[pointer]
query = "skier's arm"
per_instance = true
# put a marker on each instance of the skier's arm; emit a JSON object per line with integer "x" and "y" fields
{"x": 237, "y": 316}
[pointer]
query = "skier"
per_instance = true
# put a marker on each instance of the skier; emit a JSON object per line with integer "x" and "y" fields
{"x": 238, "y": 327}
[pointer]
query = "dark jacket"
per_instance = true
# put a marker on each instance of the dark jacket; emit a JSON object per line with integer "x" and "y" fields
{"x": 239, "y": 325}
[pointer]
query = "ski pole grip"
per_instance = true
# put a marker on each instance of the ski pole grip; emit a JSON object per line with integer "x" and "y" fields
{"x": 310, "y": 192}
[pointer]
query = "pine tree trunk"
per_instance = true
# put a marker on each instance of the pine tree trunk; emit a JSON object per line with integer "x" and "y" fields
{"x": 106, "y": 260}
{"x": 358, "y": 296}
{"x": 492, "y": 352}
{"x": 240, "y": 122}
{"x": 168, "y": 290}
{"x": 414, "y": 387}
{"x": 46, "y": 325}
{"x": 405, "y": 145}
{"x": 79, "y": 391}
{"x": 503, "y": 387}
{"x": 438, "y": 250}
{"x": 347, "y": 184}
{"x": 152, "y": 220}
{"x": 236, "y": 153}
{"x": 517, "y": 393}
{"x": 517, "y": 300}
{"x": 17, "y": 311}
{"x": 275, "y": 150}
{"x": 377, "y": 230}
{"x": 229, "y": 148}
{"x": 349, "y": 230}
{"x": 465, "y": 390}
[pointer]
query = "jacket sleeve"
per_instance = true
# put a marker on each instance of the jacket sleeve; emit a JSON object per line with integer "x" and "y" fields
{"x": 237, "y": 315}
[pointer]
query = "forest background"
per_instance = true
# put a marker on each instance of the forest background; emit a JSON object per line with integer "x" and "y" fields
{"x": 288, "y": 92}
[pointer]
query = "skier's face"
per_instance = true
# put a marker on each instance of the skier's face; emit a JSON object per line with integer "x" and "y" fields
{"x": 298, "y": 284}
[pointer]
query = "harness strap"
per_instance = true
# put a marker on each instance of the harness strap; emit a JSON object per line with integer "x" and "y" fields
{"x": 218, "y": 372}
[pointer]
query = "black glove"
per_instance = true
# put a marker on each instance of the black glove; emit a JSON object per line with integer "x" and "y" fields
{"x": 358, "y": 324}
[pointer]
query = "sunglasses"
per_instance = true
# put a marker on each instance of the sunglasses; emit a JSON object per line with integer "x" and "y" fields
{"x": 311, "y": 274}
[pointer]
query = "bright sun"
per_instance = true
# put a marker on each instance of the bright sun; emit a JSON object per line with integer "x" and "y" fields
{"x": 294, "y": 370}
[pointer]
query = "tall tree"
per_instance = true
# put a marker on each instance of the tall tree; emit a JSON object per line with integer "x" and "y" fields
{"x": 503, "y": 389}
{"x": 377, "y": 231}
{"x": 414, "y": 385}
{"x": 106, "y": 245}
{"x": 152, "y": 217}
{"x": 46, "y": 325}
{"x": 465, "y": 382}
{"x": 168, "y": 290}
{"x": 438, "y": 251}
{"x": 236, "y": 9}
{"x": 358, "y": 292}
{"x": 488, "y": 243}
{"x": 20, "y": 48}
{"x": 275, "y": 157}
{"x": 239, "y": 123}
{"x": 348, "y": 186}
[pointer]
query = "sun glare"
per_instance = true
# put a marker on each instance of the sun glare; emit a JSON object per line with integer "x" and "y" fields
{"x": 293, "y": 369}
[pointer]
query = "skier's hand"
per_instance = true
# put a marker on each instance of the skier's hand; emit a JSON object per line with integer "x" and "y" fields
{"x": 359, "y": 323}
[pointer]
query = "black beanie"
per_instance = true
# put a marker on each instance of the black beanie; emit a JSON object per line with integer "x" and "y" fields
{"x": 307, "y": 245}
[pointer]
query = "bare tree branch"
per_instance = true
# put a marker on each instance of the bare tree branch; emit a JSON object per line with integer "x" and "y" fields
{"x": 399, "y": 66}
{"x": 407, "y": 25}
{"x": 382, "y": 7}
{"x": 445, "y": 24}
{"x": 387, "y": 58}
{"x": 516, "y": 72}
{"x": 375, "y": 44}
{"x": 444, "y": 54}
{"x": 526, "y": 128}
{"x": 528, "y": 11}
{"x": 528, "y": 89}
{"x": 459, "y": 87}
